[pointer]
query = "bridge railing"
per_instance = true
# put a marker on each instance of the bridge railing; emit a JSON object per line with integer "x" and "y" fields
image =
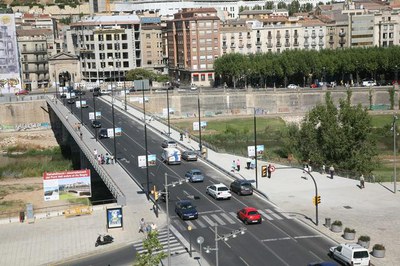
{"x": 108, "y": 181}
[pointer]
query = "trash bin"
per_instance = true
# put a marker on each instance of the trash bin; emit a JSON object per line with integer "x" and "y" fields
{"x": 328, "y": 222}
{"x": 21, "y": 217}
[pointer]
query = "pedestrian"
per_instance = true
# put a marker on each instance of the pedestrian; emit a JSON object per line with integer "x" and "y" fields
{"x": 99, "y": 159}
{"x": 107, "y": 158}
{"x": 79, "y": 127}
{"x": 248, "y": 162}
{"x": 253, "y": 163}
{"x": 331, "y": 171}
{"x": 238, "y": 165}
{"x": 95, "y": 153}
{"x": 66, "y": 117}
{"x": 102, "y": 159}
{"x": 142, "y": 226}
{"x": 112, "y": 159}
{"x": 233, "y": 166}
{"x": 362, "y": 181}
{"x": 323, "y": 169}
{"x": 80, "y": 135}
{"x": 181, "y": 136}
{"x": 305, "y": 171}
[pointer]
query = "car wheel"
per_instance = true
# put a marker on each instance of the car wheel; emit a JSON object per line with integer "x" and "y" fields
{"x": 239, "y": 193}
{"x": 246, "y": 222}
{"x": 260, "y": 221}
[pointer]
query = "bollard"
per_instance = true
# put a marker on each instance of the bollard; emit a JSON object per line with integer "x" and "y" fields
{"x": 328, "y": 222}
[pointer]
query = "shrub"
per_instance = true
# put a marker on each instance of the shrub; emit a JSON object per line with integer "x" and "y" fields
{"x": 349, "y": 230}
{"x": 364, "y": 238}
{"x": 337, "y": 222}
{"x": 379, "y": 247}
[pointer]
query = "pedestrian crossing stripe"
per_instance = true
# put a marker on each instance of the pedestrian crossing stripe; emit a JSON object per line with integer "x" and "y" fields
{"x": 175, "y": 246}
{"x": 222, "y": 218}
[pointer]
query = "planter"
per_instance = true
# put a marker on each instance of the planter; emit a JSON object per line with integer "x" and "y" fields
{"x": 378, "y": 253}
{"x": 336, "y": 228}
{"x": 364, "y": 244}
{"x": 349, "y": 236}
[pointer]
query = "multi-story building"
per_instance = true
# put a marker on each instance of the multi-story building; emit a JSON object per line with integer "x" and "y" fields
{"x": 193, "y": 45}
{"x": 35, "y": 46}
{"x": 108, "y": 46}
{"x": 386, "y": 28}
{"x": 152, "y": 45}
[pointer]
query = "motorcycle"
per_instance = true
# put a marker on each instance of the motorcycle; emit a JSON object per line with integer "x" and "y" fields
{"x": 104, "y": 240}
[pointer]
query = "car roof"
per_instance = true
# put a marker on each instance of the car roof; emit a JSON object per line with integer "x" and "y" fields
{"x": 185, "y": 202}
{"x": 219, "y": 185}
{"x": 243, "y": 181}
{"x": 250, "y": 209}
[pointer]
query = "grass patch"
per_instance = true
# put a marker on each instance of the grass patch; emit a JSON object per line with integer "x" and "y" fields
{"x": 6, "y": 205}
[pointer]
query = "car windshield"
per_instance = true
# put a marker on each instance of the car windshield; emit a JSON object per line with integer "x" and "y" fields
{"x": 223, "y": 189}
{"x": 246, "y": 185}
{"x": 253, "y": 212}
{"x": 186, "y": 206}
{"x": 361, "y": 254}
{"x": 196, "y": 173}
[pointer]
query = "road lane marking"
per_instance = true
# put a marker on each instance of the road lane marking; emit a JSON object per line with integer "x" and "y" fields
{"x": 284, "y": 214}
{"x": 274, "y": 214}
{"x": 201, "y": 224}
{"x": 218, "y": 219}
{"x": 244, "y": 261}
{"x": 265, "y": 215}
{"x": 312, "y": 236}
{"x": 234, "y": 214}
{"x": 228, "y": 218}
{"x": 276, "y": 239}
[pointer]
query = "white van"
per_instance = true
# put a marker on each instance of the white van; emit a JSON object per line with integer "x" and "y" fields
{"x": 171, "y": 156}
{"x": 350, "y": 254}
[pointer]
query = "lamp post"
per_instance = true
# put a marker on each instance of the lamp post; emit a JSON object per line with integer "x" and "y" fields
{"x": 113, "y": 116}
{"x": 225, "y": 237}
{"x": 145, "y": 140}
{"x": 95, "y": 117}
{"x": 255, "y": 144}
{"x": 198, "y": 108}
{"x": 166, "y": 193}
{"x": 190, "y": 240}
{"x": 394, "y": 153}
{"x": 169, "y": 127}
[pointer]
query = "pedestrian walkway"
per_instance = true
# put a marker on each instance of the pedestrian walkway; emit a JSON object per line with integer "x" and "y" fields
{"x": 371, "y": 211}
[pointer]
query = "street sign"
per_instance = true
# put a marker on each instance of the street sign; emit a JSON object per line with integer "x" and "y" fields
{"x": 272, "y": 168}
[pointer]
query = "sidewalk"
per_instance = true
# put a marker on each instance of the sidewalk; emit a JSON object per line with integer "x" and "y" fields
{"x": 371, "y": 211}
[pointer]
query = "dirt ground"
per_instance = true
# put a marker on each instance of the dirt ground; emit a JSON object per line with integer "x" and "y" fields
{"x": 25, "y": 190}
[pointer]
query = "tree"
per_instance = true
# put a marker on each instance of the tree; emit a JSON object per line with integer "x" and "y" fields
{"x": 269, "y": 5}
{"x": 282, "y": 5}
{"x": 340, "y": 136}
{"x": 140, "y": 73}
{"x": 152, "y": 245}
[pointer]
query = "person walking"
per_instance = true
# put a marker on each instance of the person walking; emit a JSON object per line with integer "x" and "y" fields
{"x": 362, "y": 181}
{"x": 142, "y": 226}
{"x": 95, "y": 153}
{"x": 238, "y": 165}
{"x": 233, "y": 166}
{"x": 269, "y": 170}
{"x": 331, "y": 171}
{"x": 248, "y": 163}
{"x": 323, "y": 169}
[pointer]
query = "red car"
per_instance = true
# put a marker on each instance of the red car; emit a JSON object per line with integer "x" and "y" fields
{"x": 249, "y": 215}
{"x": 22, "y": 92}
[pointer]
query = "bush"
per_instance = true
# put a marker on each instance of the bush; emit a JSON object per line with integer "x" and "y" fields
{"x": 379, "y": 247}
{"x": 337, "y": 222}
{"x": 349, "y": 230}
{"x": 364, "y": 238}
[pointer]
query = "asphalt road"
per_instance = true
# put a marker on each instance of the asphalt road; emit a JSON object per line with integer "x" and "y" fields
{"x": 279, "y": 240}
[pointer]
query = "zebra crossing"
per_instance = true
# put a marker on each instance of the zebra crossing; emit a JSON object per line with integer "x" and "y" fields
{"x": 208, "y": 219}
{"x": 176, "y": 246}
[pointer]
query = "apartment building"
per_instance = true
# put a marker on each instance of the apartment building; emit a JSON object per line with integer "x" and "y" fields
{"x": 386, "y": 28}
{"x": 193, "y": 45}
{"x": 108, "y": 46}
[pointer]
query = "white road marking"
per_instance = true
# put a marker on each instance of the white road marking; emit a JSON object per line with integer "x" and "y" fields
{"x": 191, "y": 224}
{"x": 265, "y": 215}
{"x": 244, "y": 261}
{"x": 274, "y": 214}
{"x": 208, "y": 220}
{"x": 228, "y": 218}
{"x": 218, "y": 219}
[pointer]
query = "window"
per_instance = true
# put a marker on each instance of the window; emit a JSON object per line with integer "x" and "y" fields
{"x": 109, "y": 46}
{"x": 124, "y": 46}
{"x": 124, "y": 37}
{"x": 108, "y": 37}
{"x": 147, "y": 36}
{"x": 203, "y": 77}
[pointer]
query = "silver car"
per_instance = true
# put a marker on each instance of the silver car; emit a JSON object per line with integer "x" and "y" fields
{"x": 195, "y": 175}
{"x": 189, "y": 156}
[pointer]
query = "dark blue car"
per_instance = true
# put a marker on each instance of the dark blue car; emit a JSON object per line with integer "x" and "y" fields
{"x": 185, "y": 210}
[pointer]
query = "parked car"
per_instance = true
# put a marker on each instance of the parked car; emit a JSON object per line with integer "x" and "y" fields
{"x": 195, "y": 175}
{"x": 292, "y": 86}
{"x": 71, "y": 101}
{"x": 96, "y": 124}
{"x": 169, "y": 144}
{"x": 103, "y": 133}
{"x": 219, "y": 191}
{"x": 242, "y": 187}
{"x": 22, "y": 92}
{"x": 350, "y": 254}
{"x": 193, "y": 87}
{"x": 185, "y": 210}
{"x": 249, "y": 215}
{"x": 368, "y": 83}
{"x": 63, "y": 96}
{"x": 189, "y": 156}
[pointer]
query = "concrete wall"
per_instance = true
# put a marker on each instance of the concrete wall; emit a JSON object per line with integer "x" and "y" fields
{"x": 266, "y": 102}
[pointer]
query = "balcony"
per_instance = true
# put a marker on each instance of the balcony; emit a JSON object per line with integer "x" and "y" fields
{"x": 306, "y": 35}
{"x": 233, "y": 45}
{"x": 38, "y": 70}
{"x": 342, "y": 34}
{"x": 258, "y": 43}
{"x": 321, "y": 34}
{"x": 269, "y": 45}
{"x": 287, "y": 35}
{"x": 224, "y": 47}
{"x": 342, "y": 41}
{"x": 248, "y": 45}
{"x": 248, "y": 36}
{"x": 313, "y": 35}
{"x": 224, "y": 37}
{"x": 269, "y": 37}
{"x": 258, "y": 35}
{"x": 296, "y": 35}
{"x": 287, "y": 44}
{"x": 34, "y": 51}
{"x": 296, "y": 44}
{"x": 306, "y": 44}
{"x": 278, "y": 44}
{"x": 241, "y": 45}
{"x": 240, "y": 37}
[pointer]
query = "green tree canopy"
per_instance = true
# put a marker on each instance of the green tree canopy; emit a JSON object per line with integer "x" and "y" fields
{"x": 140, "y": 73}
{"x": 151, "y": 244}
{"x": 335, "y": 135}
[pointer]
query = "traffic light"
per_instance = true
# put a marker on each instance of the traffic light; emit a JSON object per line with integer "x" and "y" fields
{"x": 313, "y": 200}
{"x": 264, "y": 171}
{"x": 155, "y": 193}
{"x": 318, "y": 199}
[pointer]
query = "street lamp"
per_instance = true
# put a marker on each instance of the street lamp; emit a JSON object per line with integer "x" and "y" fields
{"x": 198, "y": 108}
{"x": 190, "y": 240}
{"x": 255, "y": 144}
{"x": 394, "y": 152}
{"x": 166, "y": 186}
{"x": 225, "y": 237}
{"x": 112, "y": 111}
{"x": 169, "y": 127}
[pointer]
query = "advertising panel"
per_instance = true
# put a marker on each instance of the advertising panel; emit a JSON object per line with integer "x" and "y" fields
{"x": 91, "y": 115}
{"x": 78, "y": 104}
{"x": 110, "y": 132}
{"x": 251, "y": 151}
{"x": 66, "y": 185}
{"x": 114, "y": 217}
{"x": 196, "y": 125}
{"x": 10, "y": 80}
{"x": 152, "y": 158}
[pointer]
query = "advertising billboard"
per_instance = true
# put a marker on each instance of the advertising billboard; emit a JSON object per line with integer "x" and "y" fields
{"x": 65, "y": 185}
{"x": 114, "y": 217}
{"x": 251, "y": 151}
{"x": 91, "y": 115}
{"x": 196, "y": 125}
{"x": 151, "y": 158}
{"x": 10, "y": 80}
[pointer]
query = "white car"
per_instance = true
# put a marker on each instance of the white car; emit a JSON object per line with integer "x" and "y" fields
{"x": 193, "y": 87}
{"x": 292, "y": 86}
{"x": 219, "y": 191}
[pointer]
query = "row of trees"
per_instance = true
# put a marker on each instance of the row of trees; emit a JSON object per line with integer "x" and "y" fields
{"x": 293, "y": 7}
{"x": 304, "y": 67}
